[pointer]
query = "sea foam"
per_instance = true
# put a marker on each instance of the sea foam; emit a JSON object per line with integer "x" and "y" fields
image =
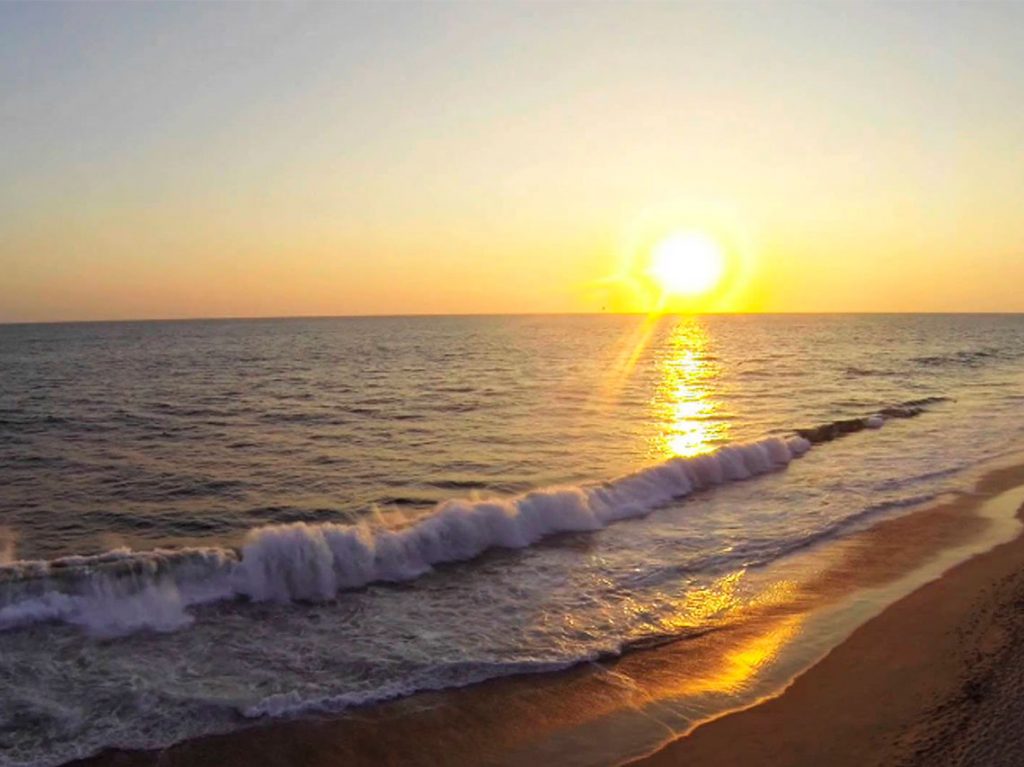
{"x": 301, "y": 561}
{"x": 122, "y": 591}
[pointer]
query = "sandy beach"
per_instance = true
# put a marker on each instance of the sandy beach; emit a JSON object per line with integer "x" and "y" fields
{"x": 930, "y": 680}
{"x": 934, "y": 680}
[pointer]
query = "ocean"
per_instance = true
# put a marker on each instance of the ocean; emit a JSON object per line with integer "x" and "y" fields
{"x": 209, "y": 523}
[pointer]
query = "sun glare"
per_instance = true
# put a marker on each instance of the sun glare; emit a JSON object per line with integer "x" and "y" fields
{"x": 687, "y": 263}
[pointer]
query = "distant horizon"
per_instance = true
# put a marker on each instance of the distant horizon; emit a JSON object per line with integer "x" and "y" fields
{"x": 658, "y": 315}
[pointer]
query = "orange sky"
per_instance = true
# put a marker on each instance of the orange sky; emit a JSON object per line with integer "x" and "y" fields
{"x": 264, "y": 160}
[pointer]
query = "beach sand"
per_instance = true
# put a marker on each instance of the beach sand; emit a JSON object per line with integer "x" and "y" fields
{"x": 936, "y": 679}
{"x": 931, "y": 680}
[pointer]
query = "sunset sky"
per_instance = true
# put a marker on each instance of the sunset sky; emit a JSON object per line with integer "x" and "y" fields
{"x": 266, "y": 160}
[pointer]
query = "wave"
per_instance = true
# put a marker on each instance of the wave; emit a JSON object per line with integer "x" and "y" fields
{"x": 835, "y": 429}
{"x": 966, "y": 358}
{"x": 858, "y": 372}
{"x": 447, "y": 677}
{"x": 123, "y": 591}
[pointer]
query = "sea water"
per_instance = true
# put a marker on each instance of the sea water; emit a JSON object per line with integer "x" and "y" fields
{"x": 209, "y": 522}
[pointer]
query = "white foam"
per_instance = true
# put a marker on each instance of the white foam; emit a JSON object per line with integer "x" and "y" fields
{"x": 294, "y": 703}
{"x": 122, "y": 591}
{"x": 113, "y": 607}
{"x": 313, "y": 562}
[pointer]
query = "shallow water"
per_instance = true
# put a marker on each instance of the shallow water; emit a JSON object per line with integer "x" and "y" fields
{"x": 211, "y": 438}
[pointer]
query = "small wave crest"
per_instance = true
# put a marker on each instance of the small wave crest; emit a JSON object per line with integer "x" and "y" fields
{"x": 970, "y": 358}
{"x": 835, "y": 429}
{"x": 441, "y": 677}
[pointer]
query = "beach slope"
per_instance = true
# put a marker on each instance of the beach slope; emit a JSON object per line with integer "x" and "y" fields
{"x": 935, "y": 679}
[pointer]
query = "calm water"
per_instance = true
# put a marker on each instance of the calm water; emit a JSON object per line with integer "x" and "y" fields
{"x": 302, "y": 515}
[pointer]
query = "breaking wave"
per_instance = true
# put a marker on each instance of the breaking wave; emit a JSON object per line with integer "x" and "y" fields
{"x": 123, "y": 591}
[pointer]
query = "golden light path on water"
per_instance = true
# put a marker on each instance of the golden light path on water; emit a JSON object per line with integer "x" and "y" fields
{"x": 691, "y": 419}
{"x": 769, "y": 626}
{"x": 686, "y": 402}
{"x": 688, "y": 416}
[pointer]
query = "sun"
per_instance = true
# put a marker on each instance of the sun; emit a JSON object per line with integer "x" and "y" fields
{"x": 687, "y": 264}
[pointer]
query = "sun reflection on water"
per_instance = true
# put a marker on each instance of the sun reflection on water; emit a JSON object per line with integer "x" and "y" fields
{"x": 685, "y": 404}
{"x": 674, "y": 359}
{"x": 761, "y": 624}
{"x": 765, "y": 623}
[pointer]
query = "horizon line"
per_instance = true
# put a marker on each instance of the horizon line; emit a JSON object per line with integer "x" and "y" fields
{"x": 256, "y": 317}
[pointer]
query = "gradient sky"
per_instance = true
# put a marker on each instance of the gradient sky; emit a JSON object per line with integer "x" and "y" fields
{"x": 260, "y": 160}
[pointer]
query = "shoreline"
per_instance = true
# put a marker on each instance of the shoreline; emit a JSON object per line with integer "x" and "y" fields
{"x": 933, "y": 679}
{"x": 630, "y": 704}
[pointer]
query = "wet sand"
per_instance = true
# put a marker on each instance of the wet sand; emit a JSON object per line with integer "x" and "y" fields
{"x": 936, "y": 679}
{"x": 907, "y": 687}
